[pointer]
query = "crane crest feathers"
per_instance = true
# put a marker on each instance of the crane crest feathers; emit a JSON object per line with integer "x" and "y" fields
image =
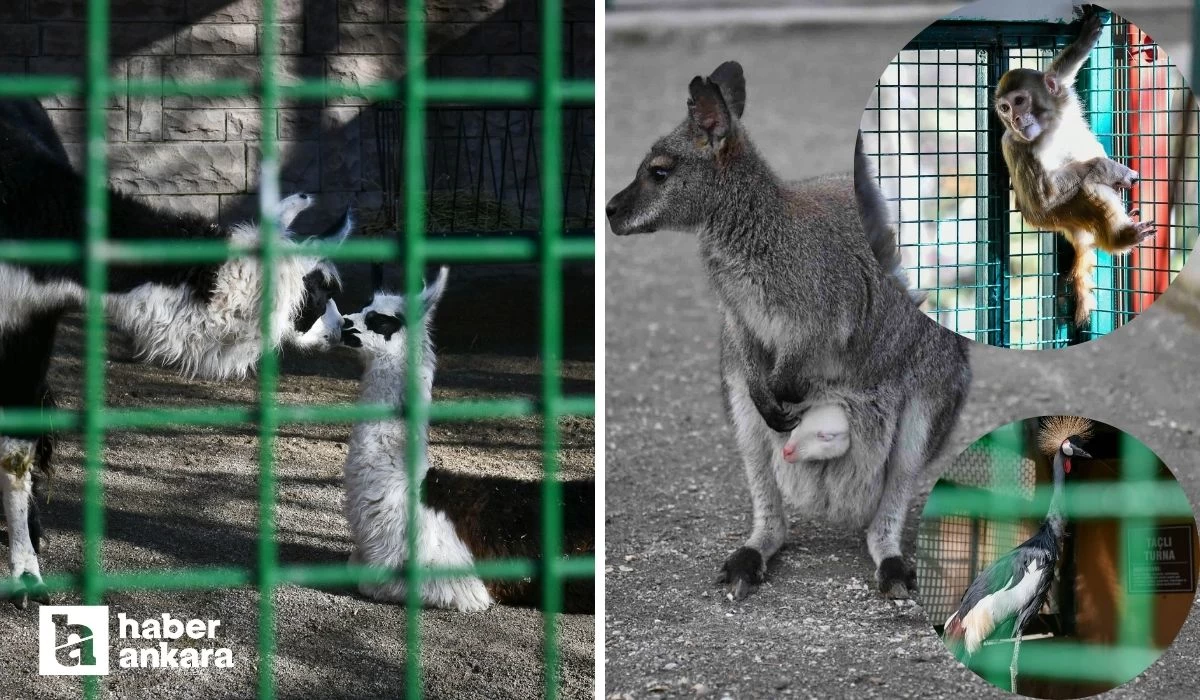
{"x": 1056, "y": 429}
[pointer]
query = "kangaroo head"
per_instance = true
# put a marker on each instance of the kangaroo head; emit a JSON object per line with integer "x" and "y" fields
{"x": 679, "y": 180}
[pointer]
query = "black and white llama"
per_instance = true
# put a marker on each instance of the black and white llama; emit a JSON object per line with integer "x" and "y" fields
{"x": 464, "y": 518}
{"x": 202, "y": 319}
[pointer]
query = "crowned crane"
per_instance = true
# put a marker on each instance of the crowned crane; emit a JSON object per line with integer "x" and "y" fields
{"x": 1005, "y": 596}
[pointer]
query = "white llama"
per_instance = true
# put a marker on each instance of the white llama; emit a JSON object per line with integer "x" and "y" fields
{"x": 464, "y": 517}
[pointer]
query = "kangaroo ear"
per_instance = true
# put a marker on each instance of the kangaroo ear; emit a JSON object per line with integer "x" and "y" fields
{"x": 707, "y": 111}
{"x": 732, "y": 83}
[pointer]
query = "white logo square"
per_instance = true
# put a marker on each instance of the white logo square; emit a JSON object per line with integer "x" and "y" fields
{"x": 73, "y": 640}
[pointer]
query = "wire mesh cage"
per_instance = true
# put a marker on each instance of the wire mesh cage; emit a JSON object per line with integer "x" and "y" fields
{"x": 550, "y": 93}
{"x": 936, "y": 147}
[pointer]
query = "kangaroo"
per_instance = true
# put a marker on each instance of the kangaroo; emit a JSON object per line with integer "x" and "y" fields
{"x": 817, "y": 317}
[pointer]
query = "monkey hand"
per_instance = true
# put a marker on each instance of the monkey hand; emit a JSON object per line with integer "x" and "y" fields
{"x": 1144, "y": 230}
{"x": 1125, "y": 178}
{"x": 1093, "y": 24}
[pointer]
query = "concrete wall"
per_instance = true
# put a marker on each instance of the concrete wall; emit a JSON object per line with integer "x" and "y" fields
{"x": 202, "y": 154}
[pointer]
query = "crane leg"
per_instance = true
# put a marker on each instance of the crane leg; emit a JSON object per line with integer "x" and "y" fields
{"x": 1012, "y": 669}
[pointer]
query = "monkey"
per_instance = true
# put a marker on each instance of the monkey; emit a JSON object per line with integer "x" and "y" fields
{"x": 1063, "y": 179}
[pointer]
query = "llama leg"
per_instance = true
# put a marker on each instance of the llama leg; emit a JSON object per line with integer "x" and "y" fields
{"x": 25, "y": 353}
{"x": 441, "y": 548}
{"x": 823, "y": 433}
{"x": 438, "y": 546}
{"x": 16, "y": 461}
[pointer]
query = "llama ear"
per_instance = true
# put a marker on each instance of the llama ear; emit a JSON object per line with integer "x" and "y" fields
{"x": 291, "y": 206}
{"x": 339, "y": 231}
{"x": 432, "y": 294}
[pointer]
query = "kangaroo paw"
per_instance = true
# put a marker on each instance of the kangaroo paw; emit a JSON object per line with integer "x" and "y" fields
{"x": 742, "y": 572}
{"x": 897, "y": 580}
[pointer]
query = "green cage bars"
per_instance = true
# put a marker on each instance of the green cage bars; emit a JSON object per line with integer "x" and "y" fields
{"x": 550, "y": 93}
{"x": 987, "y": 504}
{"x": 936, "y": 148}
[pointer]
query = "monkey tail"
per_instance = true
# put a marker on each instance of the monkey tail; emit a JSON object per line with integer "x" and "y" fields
{"x": 1082, "y": 279}
{"x": 877, "y": 223}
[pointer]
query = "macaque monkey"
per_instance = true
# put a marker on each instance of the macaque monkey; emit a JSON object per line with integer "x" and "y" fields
{"x": 1063, "y": 179}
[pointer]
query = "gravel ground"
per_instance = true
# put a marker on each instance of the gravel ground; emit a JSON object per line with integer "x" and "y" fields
{"x": 188, "y": 498}
{"x": 676, "y": 498}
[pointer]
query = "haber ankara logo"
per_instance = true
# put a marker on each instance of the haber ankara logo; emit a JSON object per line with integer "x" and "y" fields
{"x": 73, "y": 640}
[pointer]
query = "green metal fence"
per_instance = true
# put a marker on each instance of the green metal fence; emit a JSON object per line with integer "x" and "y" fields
{"x": 549, "y": 93}
{"x": 991, "y": 276}
{"x": 986, "y": 504}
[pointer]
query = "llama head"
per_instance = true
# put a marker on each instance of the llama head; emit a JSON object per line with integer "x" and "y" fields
{"x": 291, "y": 206}
{"x": 322, "y": 282}
{"x": 379, "y": 330}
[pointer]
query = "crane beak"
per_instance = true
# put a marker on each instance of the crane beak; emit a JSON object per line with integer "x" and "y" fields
{"x": 1078, "y": 452}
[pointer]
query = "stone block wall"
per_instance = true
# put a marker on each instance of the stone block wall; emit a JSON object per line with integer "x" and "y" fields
{"x": 202, "y": 154}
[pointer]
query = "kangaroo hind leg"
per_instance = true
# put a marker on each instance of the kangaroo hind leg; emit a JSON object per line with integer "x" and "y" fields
{"x": 746, "y": 567}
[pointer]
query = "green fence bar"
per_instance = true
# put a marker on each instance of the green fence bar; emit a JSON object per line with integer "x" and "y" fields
{"x": 96, "y": 281}
{"x": 459, "y": 90}
{"x": 24, "y": 421}
{"x": 268, "y": 366}
{"x": 492, "y": 249}
{"x": 550, "y": 93}
{"x": 551, "y": 103}
{"x": 1117, "y": 499}
{"x": 414, "y": 196}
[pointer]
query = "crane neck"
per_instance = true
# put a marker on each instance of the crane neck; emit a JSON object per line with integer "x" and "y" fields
{"x": 1054, "y": 515}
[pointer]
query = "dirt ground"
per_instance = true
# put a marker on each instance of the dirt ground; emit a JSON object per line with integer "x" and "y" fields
{"x": 676, "y": 500}
{"x": 188, "y": 498}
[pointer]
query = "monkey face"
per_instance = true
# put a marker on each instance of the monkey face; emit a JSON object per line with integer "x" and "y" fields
{"x": 1027, "y": 102}
{"x": 1016, "y": 109}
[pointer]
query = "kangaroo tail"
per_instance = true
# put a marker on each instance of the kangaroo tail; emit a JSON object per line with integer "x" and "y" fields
{"x": 877, "y": 223}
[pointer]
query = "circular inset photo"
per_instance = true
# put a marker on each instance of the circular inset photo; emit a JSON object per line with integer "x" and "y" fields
{"x": 1056, "y": 557}
{"x": 1043, "y": 170}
